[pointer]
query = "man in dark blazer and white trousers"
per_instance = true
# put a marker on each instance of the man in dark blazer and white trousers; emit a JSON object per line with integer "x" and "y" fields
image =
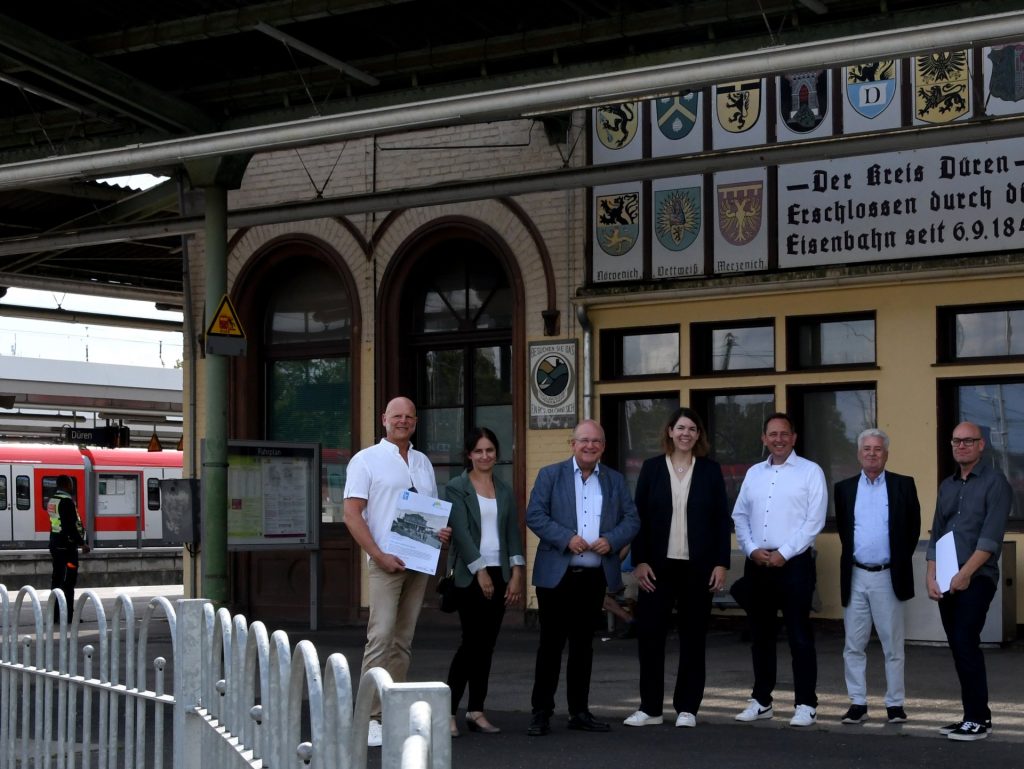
{"x": 583, "y": 514}
{"x": 879, "y": 521}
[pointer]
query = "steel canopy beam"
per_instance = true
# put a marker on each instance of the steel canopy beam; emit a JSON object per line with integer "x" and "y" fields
{"x": 526, "y": 101}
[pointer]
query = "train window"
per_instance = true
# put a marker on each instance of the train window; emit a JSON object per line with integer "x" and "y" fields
{"x": 23, "y": 492}
{"x": 50, "y": 486}
{"x": 3, "y": 492}
{"x": 153, "y": 493}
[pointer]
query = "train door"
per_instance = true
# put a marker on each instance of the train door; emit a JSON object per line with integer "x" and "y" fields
{"x": 6, "y": 505}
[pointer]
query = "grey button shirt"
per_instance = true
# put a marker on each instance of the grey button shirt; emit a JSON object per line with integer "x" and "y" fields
{"x": 975, "y": 510}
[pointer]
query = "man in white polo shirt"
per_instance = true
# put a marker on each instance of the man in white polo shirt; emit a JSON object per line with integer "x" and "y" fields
{"x": 779, "y": 511}
{"x": 376, "y": 478}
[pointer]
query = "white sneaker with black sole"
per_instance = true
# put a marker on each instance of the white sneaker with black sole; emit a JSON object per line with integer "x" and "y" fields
{"x": 969, "y": 731}
{"x": 755, "y": 711}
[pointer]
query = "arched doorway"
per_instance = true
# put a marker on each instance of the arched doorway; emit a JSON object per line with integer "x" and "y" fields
{"x": 454, "y": 342}
{"x": 297, "y": 384}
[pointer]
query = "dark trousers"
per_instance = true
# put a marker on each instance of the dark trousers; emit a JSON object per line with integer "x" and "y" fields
{"x": 65, "y": 576}
{"x": 481, "y": 620}
{"x": 567, "y": 613}
{"x": 678, "y": 587}
{"x": 788, "y": 589}
{"x": 963, "y": 617}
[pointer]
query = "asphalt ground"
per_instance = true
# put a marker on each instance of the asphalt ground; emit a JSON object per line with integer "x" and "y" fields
{"x": 718, "y": 741}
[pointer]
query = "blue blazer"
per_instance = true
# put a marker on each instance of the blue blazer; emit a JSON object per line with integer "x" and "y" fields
{"x": 465, "y": 523}
{"x": 551, "y": 515}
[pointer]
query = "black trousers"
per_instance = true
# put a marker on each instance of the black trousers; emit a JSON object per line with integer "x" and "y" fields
{"x": 963, "y": 618}
{"x": 480, "y": 618}
{"x": 567, "y": 613}
{"x": 788, "y": 589}
{"x": 678, "y": 587}
{"x": 64, "y": 576}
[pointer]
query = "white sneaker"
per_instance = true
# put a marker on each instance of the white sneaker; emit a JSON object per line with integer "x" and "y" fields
{"x": 804, "y": 715}
{"x": 755, "y": 712}
{"x": 642, "y": 719}
{"x": 375, "y": 736}
{"x": 686, "y": 719}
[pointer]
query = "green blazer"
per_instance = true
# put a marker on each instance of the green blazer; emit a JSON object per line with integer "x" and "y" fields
{"x": 464, "y": 520}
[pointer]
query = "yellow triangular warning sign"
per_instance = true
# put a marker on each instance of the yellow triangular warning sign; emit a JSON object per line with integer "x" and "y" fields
{"x": 225, "y": 321}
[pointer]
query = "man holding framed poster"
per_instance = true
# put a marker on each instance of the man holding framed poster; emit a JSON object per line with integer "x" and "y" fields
{"x": 378, "y": 477}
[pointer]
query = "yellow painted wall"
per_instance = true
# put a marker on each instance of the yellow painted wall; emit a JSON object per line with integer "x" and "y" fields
{"x": 905, "y": 376}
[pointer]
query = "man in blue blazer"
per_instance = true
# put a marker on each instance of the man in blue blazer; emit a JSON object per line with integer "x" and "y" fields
{"x": 878, "y": 518}
{"x": 584, "y": 515}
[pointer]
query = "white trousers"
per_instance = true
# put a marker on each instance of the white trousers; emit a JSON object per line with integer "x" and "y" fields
{"x": 872, "y": 602}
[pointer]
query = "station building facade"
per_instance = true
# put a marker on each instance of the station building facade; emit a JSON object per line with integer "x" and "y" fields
{"x": 883, "y": 288}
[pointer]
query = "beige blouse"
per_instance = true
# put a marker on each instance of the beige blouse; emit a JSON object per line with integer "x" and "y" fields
{"x": 678, "y": 542}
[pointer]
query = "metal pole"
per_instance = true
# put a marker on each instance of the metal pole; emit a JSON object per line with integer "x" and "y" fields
{"x": 214, "y": 548}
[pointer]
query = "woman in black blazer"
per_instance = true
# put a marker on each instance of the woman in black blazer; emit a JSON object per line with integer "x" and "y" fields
{"x": 680, "y": 558}
{"x": 486, "y": 559}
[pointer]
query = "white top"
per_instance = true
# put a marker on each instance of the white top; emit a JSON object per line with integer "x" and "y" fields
{"x": 678, "y": 540}
{"x": 379, "y": 475}
{"x": 588, "y": 513}
{"x": 781, "y": 507}
{"x": 871, "y": 521}
{"x": 490, "y": 548}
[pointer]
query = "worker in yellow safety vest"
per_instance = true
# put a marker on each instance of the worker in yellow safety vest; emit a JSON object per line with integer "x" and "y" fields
{"x": 67, "y": 535}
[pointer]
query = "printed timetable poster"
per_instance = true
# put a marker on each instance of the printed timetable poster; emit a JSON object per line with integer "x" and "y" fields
{"x": 273, "y": 495}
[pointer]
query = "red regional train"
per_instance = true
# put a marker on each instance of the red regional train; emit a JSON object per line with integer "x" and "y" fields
{"x": 117, "y": 491}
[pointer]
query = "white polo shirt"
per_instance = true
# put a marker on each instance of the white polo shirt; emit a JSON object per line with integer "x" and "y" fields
{"x": 379, "y": 475}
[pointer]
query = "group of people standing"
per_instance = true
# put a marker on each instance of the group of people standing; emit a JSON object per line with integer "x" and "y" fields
{"x": 679, "y": 528}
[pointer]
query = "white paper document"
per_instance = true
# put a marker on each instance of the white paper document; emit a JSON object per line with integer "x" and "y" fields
{"x": 946, "y": 564}
{"x": 414, "y": 530}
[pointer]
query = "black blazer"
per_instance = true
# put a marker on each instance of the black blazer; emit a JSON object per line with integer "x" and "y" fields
{"x": 708, "y": 525}
{"x": 904, "y": 531}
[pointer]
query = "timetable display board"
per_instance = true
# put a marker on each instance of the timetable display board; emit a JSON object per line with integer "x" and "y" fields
{"x": 273, "y": 495}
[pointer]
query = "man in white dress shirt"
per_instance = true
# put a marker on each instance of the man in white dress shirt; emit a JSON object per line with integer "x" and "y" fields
{"x": 779, "y": 511}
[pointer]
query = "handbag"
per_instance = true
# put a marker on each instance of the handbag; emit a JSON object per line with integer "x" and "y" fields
{"x": 447, "y": 590}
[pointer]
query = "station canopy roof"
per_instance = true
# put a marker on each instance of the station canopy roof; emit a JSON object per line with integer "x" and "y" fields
{"x": 84, "y": 77}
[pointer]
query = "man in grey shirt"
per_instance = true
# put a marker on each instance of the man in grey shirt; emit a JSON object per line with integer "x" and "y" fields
{"x": 973, "y": 504}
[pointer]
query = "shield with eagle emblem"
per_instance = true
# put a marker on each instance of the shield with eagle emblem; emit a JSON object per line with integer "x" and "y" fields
{"x": 942, "y": 86}
{"x": 739, "y": 211}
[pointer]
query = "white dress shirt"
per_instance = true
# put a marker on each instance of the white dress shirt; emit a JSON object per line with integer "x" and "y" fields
{"x": 781, "y": 507}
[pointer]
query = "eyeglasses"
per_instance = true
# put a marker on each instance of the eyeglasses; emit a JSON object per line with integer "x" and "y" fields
{"x": 967, "y": 442}
{"x": 588, "y": 441}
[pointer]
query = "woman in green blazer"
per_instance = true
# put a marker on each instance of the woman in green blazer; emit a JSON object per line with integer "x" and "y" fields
{"x": 486, "y": 558}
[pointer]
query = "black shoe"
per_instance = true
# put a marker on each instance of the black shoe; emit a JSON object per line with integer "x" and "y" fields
{"x": 540, "y": 725}
{"x": 585, "y": 722}
{"x": 896, "y": 714}
{"x": 969, "y": 731}
{"x": 629, "y": 631}
{"x": 857, "y": 714}
{"x": 949, "y": 728}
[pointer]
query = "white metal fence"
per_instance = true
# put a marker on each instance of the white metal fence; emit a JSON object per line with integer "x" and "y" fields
{"x": 90, "y": 694}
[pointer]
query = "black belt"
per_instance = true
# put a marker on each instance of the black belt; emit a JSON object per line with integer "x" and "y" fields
{"x": 582, "y": 569}
{"x": 871, "y": 566}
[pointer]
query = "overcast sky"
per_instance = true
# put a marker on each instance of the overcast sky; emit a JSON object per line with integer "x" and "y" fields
{"x": 79, "y": 342}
